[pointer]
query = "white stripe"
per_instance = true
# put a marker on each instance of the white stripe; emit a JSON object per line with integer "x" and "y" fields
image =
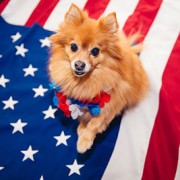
{"x": 177, "y": 177}
{"x": 18, "y": 11}
{"x": 123, "y": 9}
{"x": 59, "y": 11}
{"x": 128, "y": 158}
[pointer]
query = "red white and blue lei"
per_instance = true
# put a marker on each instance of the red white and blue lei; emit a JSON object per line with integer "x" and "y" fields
{"x": 75, "y": 108}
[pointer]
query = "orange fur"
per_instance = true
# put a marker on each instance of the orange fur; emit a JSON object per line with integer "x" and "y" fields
{"x": 117, "y": 66}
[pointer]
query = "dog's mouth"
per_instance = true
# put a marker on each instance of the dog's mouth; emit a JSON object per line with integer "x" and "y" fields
{"x": 79, "y": 73}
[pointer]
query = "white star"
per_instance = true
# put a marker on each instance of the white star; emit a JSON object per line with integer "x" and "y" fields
{"x": 1, "y": 168}
{"x": 10, "y": 103}
{"x": 49, "y": 113}
{"x": 3, "y": 81}
{"x": 45, "y": 42}
{"x": 62, "y": 139}
{"x": 16, "y": 37}
{"x": 30, "y": 70}
{"x": 39, "y": 91}
{"x": 28, "y": 154}
{"x": 1, "y": 55}
{"x": 18, "y": 126}
{"x": 21, "y": 50}
{"x": 74, "y": 168}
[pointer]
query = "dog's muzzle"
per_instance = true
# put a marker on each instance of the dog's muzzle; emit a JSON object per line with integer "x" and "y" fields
{"x": 80, "y": 68}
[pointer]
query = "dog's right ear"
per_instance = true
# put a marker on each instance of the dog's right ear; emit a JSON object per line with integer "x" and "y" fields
{"x": 74, "y": 14}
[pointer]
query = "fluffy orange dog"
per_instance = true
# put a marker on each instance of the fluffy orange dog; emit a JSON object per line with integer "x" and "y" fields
{"x": 89, "y": 57}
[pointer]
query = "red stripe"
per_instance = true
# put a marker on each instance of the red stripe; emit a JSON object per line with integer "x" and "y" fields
{"x": 162, "y": 156}
{"x": 3, "y": 4}
{"x": 42, "y": 12}
{"x": 142, "y": 18}
{"x": 96, "y": 8}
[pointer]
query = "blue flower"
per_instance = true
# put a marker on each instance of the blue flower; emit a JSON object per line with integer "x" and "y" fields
{"x": 55, "y": 100}
{"x": 54, "y": 87}
{"x": 94, "y": 110}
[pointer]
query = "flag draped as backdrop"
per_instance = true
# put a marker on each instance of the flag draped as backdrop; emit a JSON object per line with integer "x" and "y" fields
{"x": 37, "y": 142}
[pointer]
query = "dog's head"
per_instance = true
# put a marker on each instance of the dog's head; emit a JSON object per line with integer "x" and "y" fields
{"x": 85, "y": 53}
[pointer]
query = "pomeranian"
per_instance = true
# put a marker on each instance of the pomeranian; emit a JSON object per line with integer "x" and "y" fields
{"x": 97, "y": 70}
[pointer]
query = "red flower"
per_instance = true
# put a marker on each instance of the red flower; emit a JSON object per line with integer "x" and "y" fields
{"x": 102, "y": 99}
{"x": 96, "y": 99}
{"x": 62, "y": 104}
{"x": 105, "y": 97}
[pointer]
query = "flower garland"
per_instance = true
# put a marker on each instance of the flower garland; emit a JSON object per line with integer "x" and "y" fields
{"x": 75, "y": 108}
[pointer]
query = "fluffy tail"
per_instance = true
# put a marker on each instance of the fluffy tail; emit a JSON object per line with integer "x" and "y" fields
{"x": 133, "y": 42}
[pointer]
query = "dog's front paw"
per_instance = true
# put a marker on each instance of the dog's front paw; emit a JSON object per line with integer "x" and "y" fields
{"x": 84, "y": 144}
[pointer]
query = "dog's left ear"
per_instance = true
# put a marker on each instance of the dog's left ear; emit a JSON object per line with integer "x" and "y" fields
{"x": 74, "y": 14}
{"x": 109, "y": 22}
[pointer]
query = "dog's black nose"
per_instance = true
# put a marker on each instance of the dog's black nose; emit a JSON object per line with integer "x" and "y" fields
{"x": 79, "y": 65}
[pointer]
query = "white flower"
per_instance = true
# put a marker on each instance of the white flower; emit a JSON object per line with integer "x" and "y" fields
{"x": 68, "y": 101}
{"x": 75, "y": 111}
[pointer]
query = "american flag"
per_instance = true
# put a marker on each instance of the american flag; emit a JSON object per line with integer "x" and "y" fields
{"x": 38, "y": 143}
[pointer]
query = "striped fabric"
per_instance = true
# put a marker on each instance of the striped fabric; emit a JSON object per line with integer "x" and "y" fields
{"x": 148, "y": 142}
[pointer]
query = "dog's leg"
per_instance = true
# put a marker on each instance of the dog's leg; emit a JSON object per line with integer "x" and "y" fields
{"x": 96, "y": 125}
{"x": 83, "y": 121}
{"x": 81, "y": 127}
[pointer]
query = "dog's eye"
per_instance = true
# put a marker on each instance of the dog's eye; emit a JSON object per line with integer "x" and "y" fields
{"x": 74, "y": 47}
{"x": 95, "y": 51}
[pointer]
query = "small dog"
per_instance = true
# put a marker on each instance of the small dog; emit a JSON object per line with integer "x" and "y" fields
{"x": 95, "y": 64}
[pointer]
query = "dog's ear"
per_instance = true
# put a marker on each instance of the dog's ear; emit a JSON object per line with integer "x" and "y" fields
{"x": 74, "y": 14}
{"x": 109, "y": 22}
{"x": 54, "y": 38}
